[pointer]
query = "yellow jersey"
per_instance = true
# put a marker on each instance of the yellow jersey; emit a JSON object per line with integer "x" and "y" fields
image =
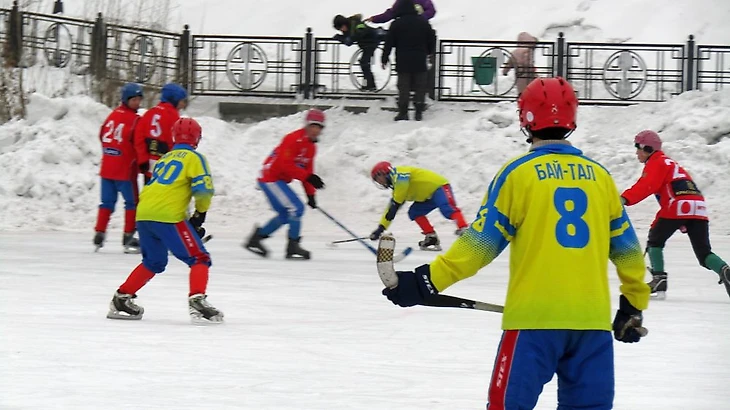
{"x": 562, "y": 214}
{"x": 412, "y": 184}
{"x": 178, "y": 175}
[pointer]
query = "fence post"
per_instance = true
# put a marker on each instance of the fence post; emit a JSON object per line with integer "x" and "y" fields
{"x": 13, "y": 48}
{"x": 561, "y": 55}
{"x": 97, "y": 59}
{"x": 307, "y": 79}
{"x": 689, "y": 81}
{"x": 183, "y": 59}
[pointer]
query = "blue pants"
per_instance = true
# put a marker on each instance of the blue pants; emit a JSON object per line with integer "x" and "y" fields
{"x": 110, "y": 189}
{"x": 288, "y": 206}
{"x": 527, "y": 360}
{"x": 442, "y": 198}
{"x": 156, "y": 238}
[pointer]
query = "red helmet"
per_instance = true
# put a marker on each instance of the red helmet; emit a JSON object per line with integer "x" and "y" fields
{"x": 186, "y": 131}
{"x": 384, "y": 169}
{"x": 546, "y": 103}
{"x": 314, "y": 116}
{"x": 650, "y": 139}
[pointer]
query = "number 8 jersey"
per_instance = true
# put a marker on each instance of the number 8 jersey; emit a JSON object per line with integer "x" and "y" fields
{"x": 562, "y": 214}
{"x": 678, "y": 195}
{"x": 178, "y": 175}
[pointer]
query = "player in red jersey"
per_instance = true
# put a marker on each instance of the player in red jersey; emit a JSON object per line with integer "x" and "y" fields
{"x": 118, "y": 172}
{"x": 292, "y": 159}
{"x": 682, "y": 206}
{"x": 153, "y": 136}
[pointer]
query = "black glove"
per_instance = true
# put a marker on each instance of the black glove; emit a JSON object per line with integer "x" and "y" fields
{"x": 311, "y": 201}
{"x": 197, "y": 219}
{"x": 413, "y": 287}
{"x": 376, "y": 233}
{"x": 316, "y": 181}
{"x": 200, "y": 231}
{"x": 144, "y": 167}
{"x": 627, "y": 323}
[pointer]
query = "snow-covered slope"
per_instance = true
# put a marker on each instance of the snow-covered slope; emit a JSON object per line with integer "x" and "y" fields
{"x": 50, "y": 161}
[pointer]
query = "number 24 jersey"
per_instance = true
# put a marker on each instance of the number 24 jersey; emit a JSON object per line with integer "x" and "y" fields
{"x": 562, "y": 214}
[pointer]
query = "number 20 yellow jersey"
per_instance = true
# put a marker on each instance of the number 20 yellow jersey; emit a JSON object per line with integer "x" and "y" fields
{"x": 562, "y": 214}
{"x": 178, "y": 175}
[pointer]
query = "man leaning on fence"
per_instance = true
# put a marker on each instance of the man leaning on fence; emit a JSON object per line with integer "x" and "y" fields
{"x": 413, "y": 39}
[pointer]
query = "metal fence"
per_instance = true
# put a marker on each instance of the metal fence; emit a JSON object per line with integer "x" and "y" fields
{"x": 309, "y": 67}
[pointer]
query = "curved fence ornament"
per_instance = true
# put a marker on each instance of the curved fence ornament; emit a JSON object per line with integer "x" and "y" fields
{"x": 501, "y": 85}
{"x": 624, "y": 74}
{"x": 58, "y": 45}
{"x": 382, "y": 77}
{"x": 142, "y": 58}
{"x": 246, "y": 66}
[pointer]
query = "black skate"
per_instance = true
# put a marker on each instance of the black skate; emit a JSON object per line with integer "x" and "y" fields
{"x": 294, "y": 251}
{"x": 658, "y": 285}
{"x": 203, "y": 312}
{"x": 725, "y": 278}
{"x": 123, "y": 307}
{"x": 99, "y": 240}
{"x": 130, "y": 243}
{"x": 430, "y": 242}
{"x": 254, "y": 243}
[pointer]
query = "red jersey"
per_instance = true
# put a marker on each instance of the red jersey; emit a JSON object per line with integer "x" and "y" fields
{"x": 293, "y": 158}
{"x": 678, "y": 195}
{"x": 153, "y": 134}
{"x": 118, "y": 156}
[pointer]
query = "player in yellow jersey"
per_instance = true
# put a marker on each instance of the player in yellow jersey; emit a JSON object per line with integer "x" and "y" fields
{"x": 162, "y": 223}
{"x": 428, "y": 191}
{"x": 562, "y": 214}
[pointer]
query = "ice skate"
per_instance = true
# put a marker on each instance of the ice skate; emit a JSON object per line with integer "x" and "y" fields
{"x": 725, "y": 278}
{"x": 203, "y": 312}
{"x": 130, "y": 244}
{"x": 430, "y": 242}
{"x": 294, "y": 251}
{"x": 99, "y": 240}
{"x": 123, "y": 307}
{"x": 254, "y": 243}
{"x": 460, "y": 231}
{"x": 658, "y": 285}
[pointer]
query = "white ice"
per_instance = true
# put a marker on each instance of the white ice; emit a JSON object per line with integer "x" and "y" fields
{"x": 309, "y": 334}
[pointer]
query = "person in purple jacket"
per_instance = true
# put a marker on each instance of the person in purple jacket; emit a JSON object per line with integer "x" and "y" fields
{"x": 424, "y": 8}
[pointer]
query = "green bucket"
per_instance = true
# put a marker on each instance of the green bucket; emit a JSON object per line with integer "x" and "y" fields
{"x": 484, "y": 69}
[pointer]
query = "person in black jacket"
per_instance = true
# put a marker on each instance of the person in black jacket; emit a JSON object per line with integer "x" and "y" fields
{"x": 354, "y": 31}
{"x": 414, "y": 40}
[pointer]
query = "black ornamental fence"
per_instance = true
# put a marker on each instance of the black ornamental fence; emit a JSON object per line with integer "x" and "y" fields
{"x": 311, "y": 67}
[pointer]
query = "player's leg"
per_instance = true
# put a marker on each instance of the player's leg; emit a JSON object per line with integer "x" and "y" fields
{"x": 106, "y": 208}
{"x": 185, "y": 244}
{"x": 254, "y": 241}
{"x": 367, "y": 72}
{"x": 130, "y": 243}
{"x": 660, "y": 231}
{"x": 526, "y": 360}
{"x": 417, "y": 212}
{"x": 699, "y": 236}
{"x": 154, "y": 260}
{"x": 444, "y": 198}
{"x": 294, "y": 210}
{"x": 586, "y": 371}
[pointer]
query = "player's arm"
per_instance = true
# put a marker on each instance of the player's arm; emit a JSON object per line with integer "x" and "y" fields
{"x": 649, "y": 183}
{"x": 309, "y": 189}
{"x": 140, "y": 143}
{"x": 201, "y": 183}
{"x": 400, "y": 190}
{"x": 485, "y": 239}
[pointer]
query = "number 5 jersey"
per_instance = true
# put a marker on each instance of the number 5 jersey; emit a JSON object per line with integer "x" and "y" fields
{"x": 562, "y": 213}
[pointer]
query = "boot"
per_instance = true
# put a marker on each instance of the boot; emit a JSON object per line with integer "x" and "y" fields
{"x": 254, "y": 243}
{"x": 460, "y": 231}
{"x": 430, "y": 242}
{"x": 402, "y": 116}
{"x": 123, "y": 307}
{"x": 294, "y": 251}
{"x": 419, "y": 112}
{"x": 130, "y": 243}
{"x": 99, "y": 240}
{"x": 725, "y": 278}
{"x": 658, "y": 285}
{"x": 201, "y": 311}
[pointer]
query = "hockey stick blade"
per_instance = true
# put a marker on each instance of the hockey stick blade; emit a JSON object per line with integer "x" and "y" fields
{"x": 206, "y": 238}
{"x": 386, "y": 271}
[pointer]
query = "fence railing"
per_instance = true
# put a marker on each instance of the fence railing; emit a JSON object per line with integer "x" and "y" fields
{"x": 320, "y": 67}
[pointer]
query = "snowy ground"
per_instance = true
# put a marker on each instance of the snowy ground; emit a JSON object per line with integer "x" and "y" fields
{"x": 309, "y": 335}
